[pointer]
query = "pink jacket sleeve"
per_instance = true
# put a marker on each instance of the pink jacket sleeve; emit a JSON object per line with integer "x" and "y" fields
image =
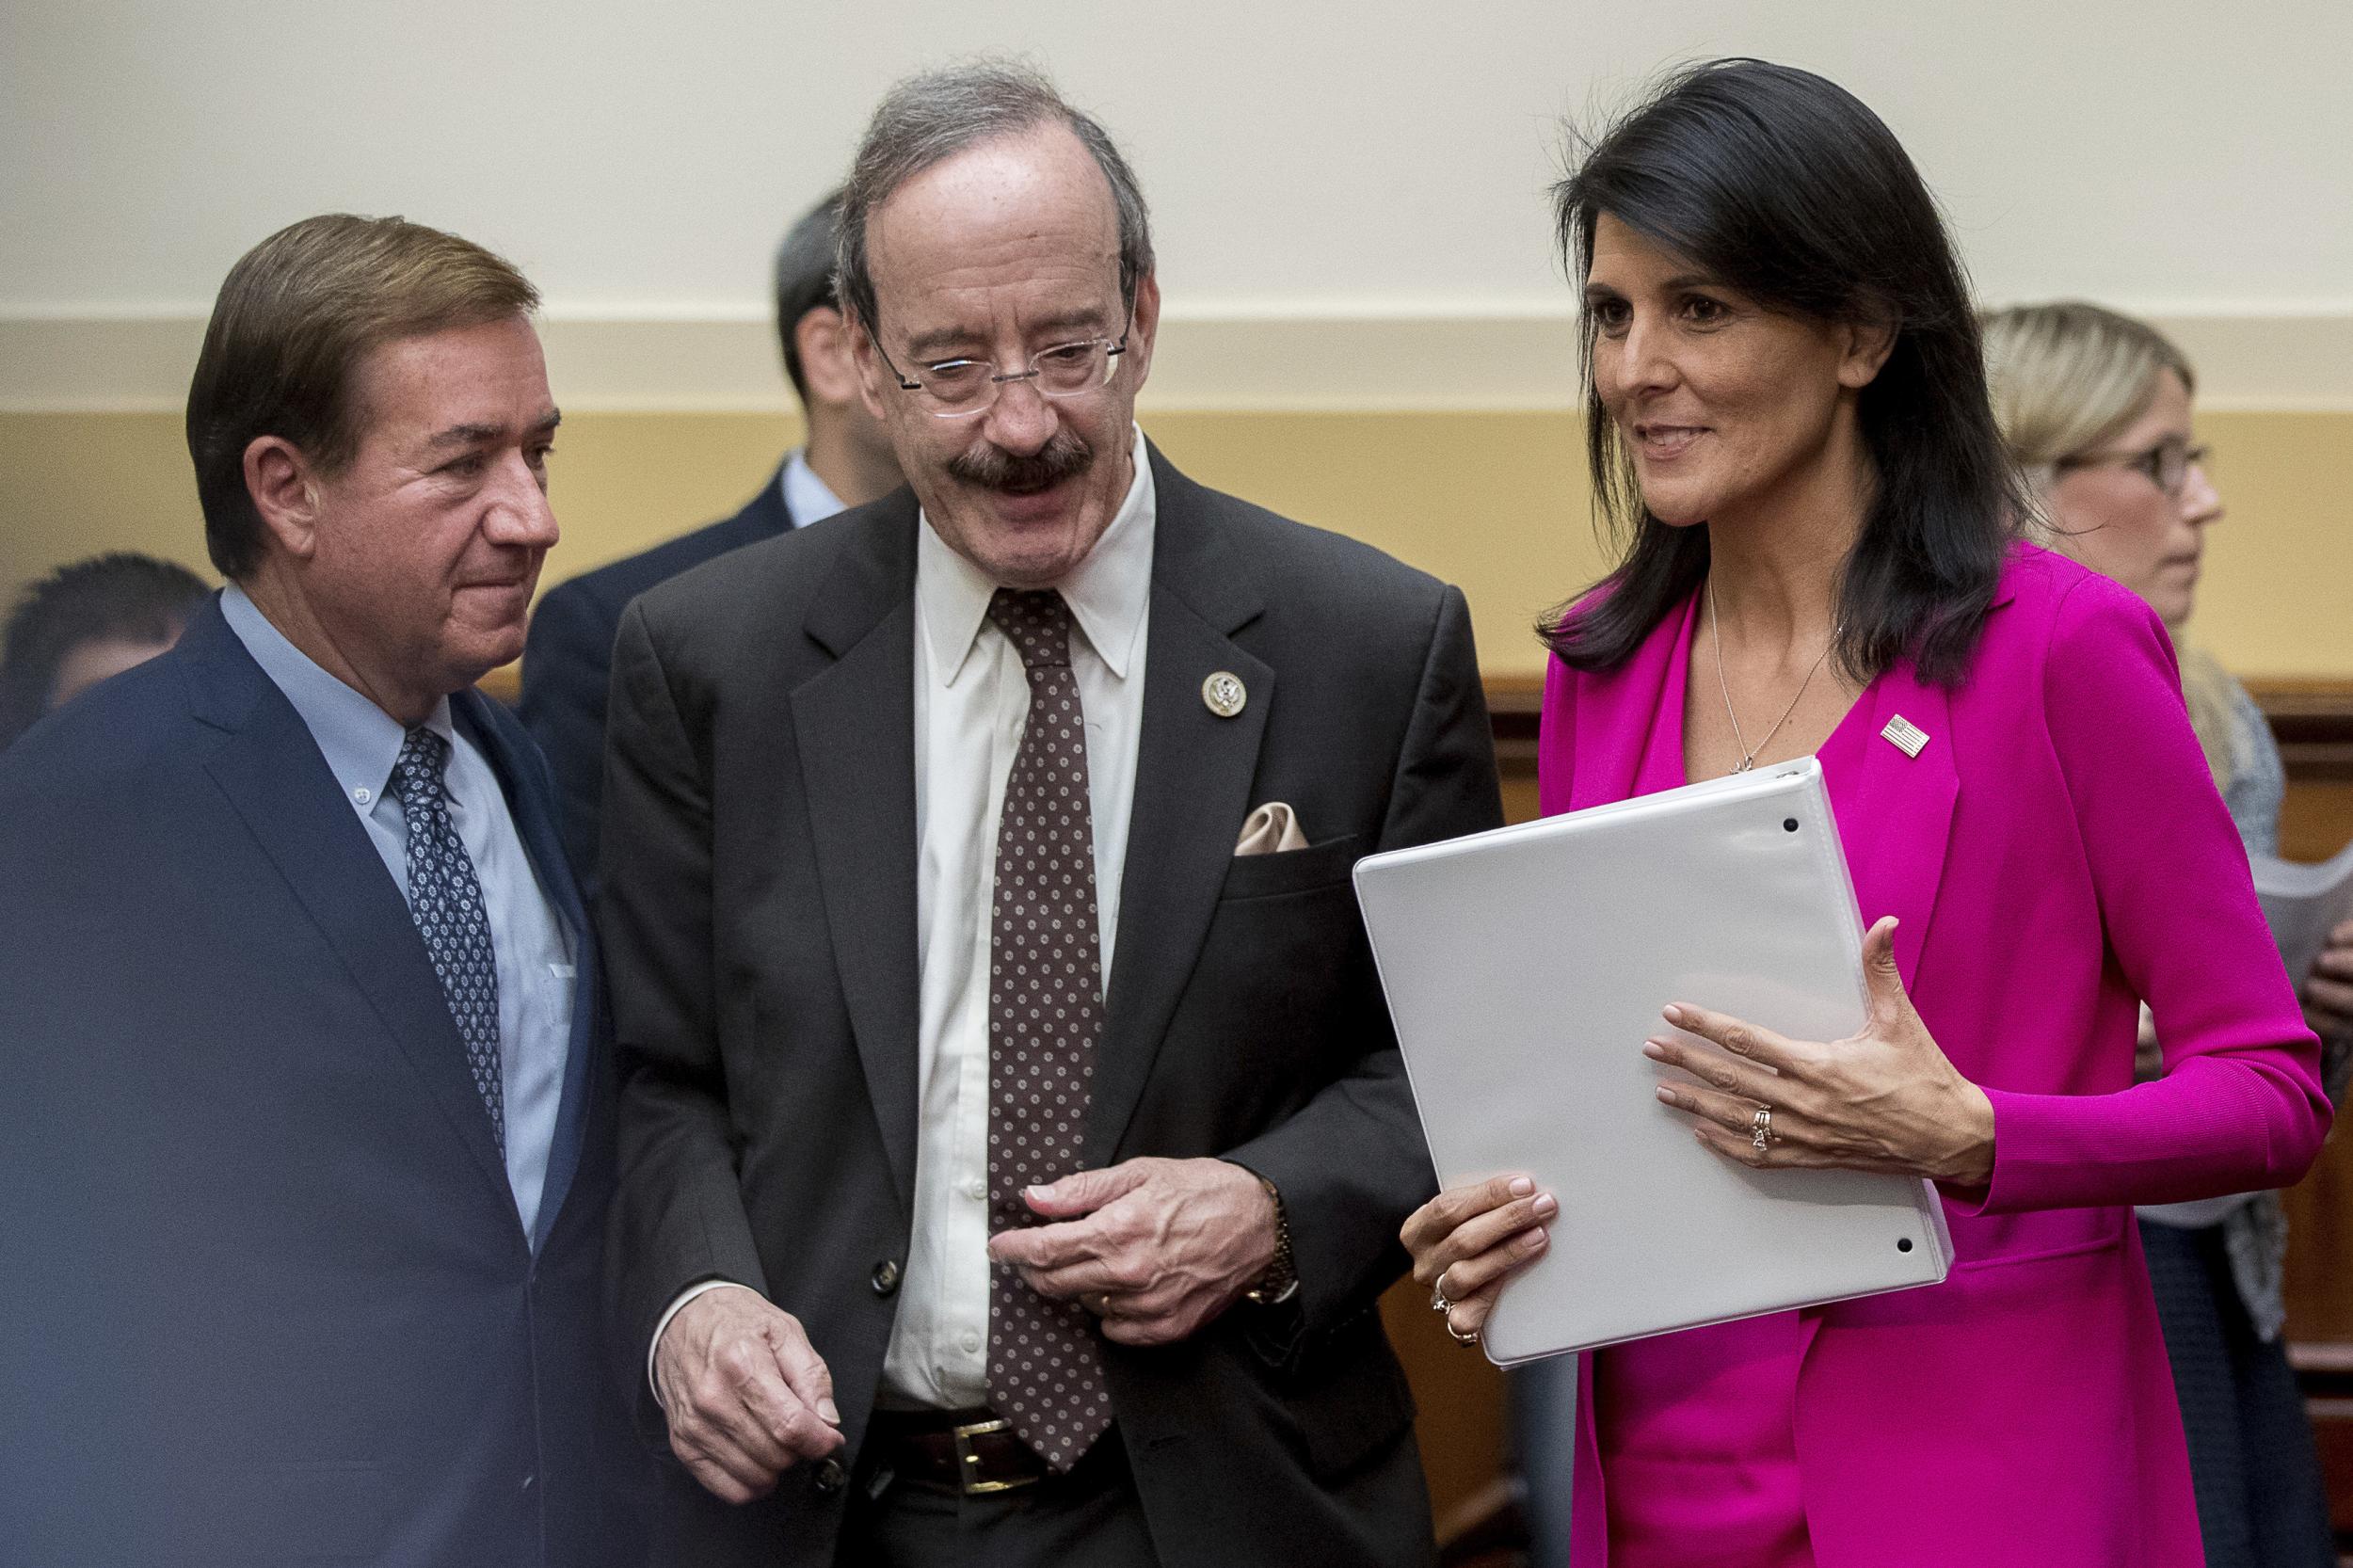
{"x": 2240, "y": 1106}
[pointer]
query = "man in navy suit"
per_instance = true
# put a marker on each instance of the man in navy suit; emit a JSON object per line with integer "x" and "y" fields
{"x": 846, "y": 462}
{"x": 308, "y": 1129}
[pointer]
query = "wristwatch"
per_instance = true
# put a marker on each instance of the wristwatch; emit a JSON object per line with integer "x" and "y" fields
{"x": 1280, "y": 1281}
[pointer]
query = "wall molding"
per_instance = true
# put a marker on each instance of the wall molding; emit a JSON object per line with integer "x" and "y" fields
{"x": 1277, "y": 357}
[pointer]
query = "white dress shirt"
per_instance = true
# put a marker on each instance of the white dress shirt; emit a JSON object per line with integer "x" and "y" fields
{"x": 531, "y": 946}
{"x": 971, "y": 703}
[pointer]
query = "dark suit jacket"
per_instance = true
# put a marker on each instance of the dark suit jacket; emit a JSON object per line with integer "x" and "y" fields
{"x": 759, "y": 915}
{"x": 265, "y": 1296}
{"x": 568, "y": 657}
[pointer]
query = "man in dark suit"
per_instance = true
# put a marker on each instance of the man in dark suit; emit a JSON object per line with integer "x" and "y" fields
{"x": 845, "y": 461}
{"x": 308, "y": 1128}
{"x": 1012, "y": 1157}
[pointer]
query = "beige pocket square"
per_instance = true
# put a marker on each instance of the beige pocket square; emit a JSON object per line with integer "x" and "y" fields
{"x": 1271, "y": 829}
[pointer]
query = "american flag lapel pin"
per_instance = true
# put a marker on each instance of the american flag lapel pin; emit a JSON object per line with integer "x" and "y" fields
{"x": 1907, "y": 736}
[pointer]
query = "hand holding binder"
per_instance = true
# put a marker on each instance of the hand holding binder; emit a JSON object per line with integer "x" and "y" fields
{"x": 1885, "y": 1099}
{"x": 1524, "y": 970}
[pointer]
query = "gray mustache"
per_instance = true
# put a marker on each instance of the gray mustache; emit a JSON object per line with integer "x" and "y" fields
{"x": 1024, "y": 473}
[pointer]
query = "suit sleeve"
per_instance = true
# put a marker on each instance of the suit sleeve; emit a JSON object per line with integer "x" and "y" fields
{"x": 567, "y": 659}
{"x": 1353, "y": 1164}
{"x": 2240, "y": 1106}
{"x": 678, "y": 1213}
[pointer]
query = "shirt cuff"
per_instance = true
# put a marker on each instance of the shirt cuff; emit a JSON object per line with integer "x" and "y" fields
{"x": 701, "y": 1288}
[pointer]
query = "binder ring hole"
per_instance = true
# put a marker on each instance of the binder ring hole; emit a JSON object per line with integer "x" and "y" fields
{"x": 1903, "y": 1243}
{"x": 1788, "y": 825}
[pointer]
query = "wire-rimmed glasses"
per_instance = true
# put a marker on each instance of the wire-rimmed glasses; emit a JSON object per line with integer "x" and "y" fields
{"x": 963, "y": 387}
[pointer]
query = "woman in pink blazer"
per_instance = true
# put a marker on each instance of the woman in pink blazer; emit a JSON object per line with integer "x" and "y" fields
{"x": 1788, "y": 421}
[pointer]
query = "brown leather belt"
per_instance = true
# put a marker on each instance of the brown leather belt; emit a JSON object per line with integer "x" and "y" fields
{"x": 971, "y": 1451}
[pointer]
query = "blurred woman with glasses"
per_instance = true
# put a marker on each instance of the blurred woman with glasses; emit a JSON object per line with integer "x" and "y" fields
{"x": 2096, "y": 410}
{"x": 1787, "y": 422}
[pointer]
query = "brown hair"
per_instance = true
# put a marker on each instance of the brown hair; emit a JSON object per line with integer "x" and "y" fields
{"x": 295, "y": 318}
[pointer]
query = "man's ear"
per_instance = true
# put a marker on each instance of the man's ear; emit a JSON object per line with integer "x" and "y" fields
{"x": 829, "y": 366}
{"x": 876, "y": 383}
{"x": 284, "y": 488}
{"x": 1144, "y": 329}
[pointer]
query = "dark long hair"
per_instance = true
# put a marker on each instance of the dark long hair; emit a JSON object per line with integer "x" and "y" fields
{"x": 1785, "y": 187}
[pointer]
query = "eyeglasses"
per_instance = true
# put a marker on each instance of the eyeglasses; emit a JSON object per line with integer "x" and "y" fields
{"x": 961, "y": 389}
{"x": 2166, "y": 464}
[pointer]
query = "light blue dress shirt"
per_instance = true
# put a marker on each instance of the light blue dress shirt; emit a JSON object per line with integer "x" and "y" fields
{"x": 530, "y": 941}
{"x": 807, "y": 498}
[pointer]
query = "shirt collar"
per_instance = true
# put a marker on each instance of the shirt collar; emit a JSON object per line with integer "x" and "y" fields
{"x": 1106, "y": 592}
{"x": 807, "y": 498}
{"x": 360, "y": 740}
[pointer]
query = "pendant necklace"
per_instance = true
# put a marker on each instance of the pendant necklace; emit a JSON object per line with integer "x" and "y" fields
{"x": 1716, "y": 636}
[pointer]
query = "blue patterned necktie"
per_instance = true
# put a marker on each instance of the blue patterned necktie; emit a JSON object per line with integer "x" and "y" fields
{"x": 445, "y": 899}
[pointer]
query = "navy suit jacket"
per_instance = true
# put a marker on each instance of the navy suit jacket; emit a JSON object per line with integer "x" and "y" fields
{"x": 266, "y": 1295}
{"x": 567, "y": 659}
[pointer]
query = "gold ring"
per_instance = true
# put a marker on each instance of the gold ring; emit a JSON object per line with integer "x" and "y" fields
{"x": 1438, "y": 1302}
{"x": 1457, "y": 1335}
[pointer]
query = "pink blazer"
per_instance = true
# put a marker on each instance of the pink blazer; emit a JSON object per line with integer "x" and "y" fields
{"x": 2056, "y": 852}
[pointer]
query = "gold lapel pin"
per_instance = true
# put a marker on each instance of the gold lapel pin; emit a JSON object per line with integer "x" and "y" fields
{"x": 1223, "y": 693}
{"x": 1907, "y": 736}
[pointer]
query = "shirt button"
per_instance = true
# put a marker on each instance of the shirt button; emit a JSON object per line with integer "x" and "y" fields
{"x": 364, "y": 795}
{"x": 976, "y": 1189}
{"x": 972, "y": 1343}
{"x": 886, "y": 1276}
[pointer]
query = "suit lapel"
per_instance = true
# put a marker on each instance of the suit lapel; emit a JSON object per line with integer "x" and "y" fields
{"x": 1897, "y": 868}
{"x": 1624, "y": 719}
{"x": 527, "y": 800}
{"x": 1193, "y": 772}
{"x": 274, "y": 777}
{"x": 1895, "y": 852}
{"x": 854, "y": 725}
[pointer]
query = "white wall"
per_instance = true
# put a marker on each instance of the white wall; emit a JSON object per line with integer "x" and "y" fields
{"x": 1355, "y": 176}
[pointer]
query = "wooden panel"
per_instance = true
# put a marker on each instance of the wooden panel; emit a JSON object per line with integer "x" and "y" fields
{"x": 1460, "y": 1394}
{"x": 2314, "y": 723}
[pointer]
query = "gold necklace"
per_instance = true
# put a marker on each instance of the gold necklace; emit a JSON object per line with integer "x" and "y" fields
{"x": 1716, "y": 637}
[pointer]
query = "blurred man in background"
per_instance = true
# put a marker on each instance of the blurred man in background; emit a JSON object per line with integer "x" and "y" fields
{"x": 846, "y": 461}
{"x": 85, "y": 622}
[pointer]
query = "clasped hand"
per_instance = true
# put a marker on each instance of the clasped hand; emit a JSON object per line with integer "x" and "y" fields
{"x": 1156, "y": 1248}
{"x": 746, "y": 1394}
{"x": 2328, "y": 989}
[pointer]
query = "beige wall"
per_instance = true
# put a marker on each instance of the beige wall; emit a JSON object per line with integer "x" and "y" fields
{"x": 1316, "y": 154}
{"x": 1495, "y": 502}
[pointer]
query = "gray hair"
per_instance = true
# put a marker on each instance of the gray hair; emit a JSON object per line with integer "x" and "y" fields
{"x": 930, "y": 118}
{"x": 803, "y": 278}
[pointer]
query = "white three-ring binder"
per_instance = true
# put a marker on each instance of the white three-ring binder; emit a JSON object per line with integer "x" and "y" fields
{"x": 1526, "y": 966}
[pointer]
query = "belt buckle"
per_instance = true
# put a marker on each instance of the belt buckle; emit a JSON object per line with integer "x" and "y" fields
{"x": 967, "y": 1460}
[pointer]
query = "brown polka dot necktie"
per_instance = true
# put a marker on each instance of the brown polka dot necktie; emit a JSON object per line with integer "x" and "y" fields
{"x": 1045, "y": 1015}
